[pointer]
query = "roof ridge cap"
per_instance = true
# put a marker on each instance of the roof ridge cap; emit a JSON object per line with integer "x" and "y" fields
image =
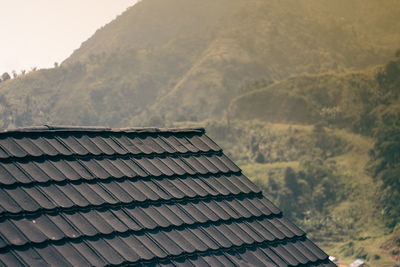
{"x": 67, "y": 128}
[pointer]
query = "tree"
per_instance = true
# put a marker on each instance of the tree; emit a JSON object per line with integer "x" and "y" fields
{"x": 5, "y": 76}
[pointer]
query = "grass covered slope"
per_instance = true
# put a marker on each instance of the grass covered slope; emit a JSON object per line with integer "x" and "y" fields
{"x": 307, "y": 99}
{"x": 357, "y": 100}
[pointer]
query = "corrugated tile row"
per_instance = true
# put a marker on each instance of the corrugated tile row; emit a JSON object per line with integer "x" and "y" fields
{"x": 262, "y": 255}
{"x": 121, "y": 144}
{"x": 151, "y": 248}
{"x": 86, "y": 223}
{"x": 120, "y": 191}
{"x": 75, "y": 169}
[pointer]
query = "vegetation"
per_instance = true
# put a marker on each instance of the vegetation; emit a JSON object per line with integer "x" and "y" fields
{"x": 303, "y": 94}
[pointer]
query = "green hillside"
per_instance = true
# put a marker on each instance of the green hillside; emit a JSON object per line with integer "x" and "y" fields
{"x": 303, "y": 94}
{"x": 337, "y": 144}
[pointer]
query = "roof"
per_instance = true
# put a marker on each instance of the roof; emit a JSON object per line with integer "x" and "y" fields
{"x": 100, "y": 196}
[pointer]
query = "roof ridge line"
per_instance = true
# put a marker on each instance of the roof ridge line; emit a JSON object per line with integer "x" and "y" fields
{"x": 66, "y": 128}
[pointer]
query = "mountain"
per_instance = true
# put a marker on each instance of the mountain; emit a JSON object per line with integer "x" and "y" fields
{"x": 304, "y": 94}
{"x": 182, "y": 60}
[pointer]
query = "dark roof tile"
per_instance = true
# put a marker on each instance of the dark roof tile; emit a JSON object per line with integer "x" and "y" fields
{"x": 39, "y": 197}
{"x": 30, "y": 257}
{"x": 285, "y": 255}
{"x": 104, "y": 249}
{"x": 165, "y": 243}
{"x": 106, "y": 145}
{"x": 5, "y": 177}
{"x": 3, "y": 153}
{"x": 9, "y": 259}
{"x": 260, "y": 230}
{"x": 45, "y": 147}
{"x": 146, "y": 165}
{"x": 91, "y": 196}
{"x": 210, "y": 143}
{"x": 110, "y": 168}
{"x": 47, "y": 227}
{"x": 273, "y": 256}
{"x": 52, "y": 256}
{"x": 82, "y": 225}
{"x": 102, "y": 192}
{"x": 183, "y": 165}
{"x": 216, "y": 186}
{"x": 33, "y": 172}
{"x": 87, "y": 143}
{"x": 204, "y": 186}
{"x": 198, "y": 143}
{"x": 194, "y": 240}
{"x": 110, "y": 145}
{"x": 296, "y": 253}
{"x": 170, "y": 188}
{"x": 98, "y": 222}
{"x": 56, "y": 196}
{"x": 72, "y": 144}
{"x": 155, "y": 249}
{"x": 227, "y": 232}
{"x": 21, "y": 198}
{"x": 28, "y": 146}
{"x": 127, "y": 252}
{"x": 74, "y": 257}
{"x": 174, "y": 143}
{"x": 94, "y": 168}
{"x": 11, "y": 234}
{"x": 92, "y": 256}
{"x": 65, "y": 169}
{"x": 217, "y": 260}
{"x": 118, "y": 192}
{"x": 315, "y": 250}
{"x": 9, "y": 146}
{"x": 164, "y": 169}
{"x": 15, "y": 171}
{"x": 61, "y": 222}
{"x": 127, "y": 144}
{"x": 51, "y": 171}
{"x": 135, "y": 168}
{"x": 146, "y": 148}
{"x": 209, "y": 241}
{"x": 140, "y": 248}
{"x": 172, "y": 165}
{"x": 125, "y": 219}
{"x": 189, "y": 146}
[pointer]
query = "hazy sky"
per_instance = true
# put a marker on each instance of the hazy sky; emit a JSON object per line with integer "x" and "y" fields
{"x": 41, "y": 32}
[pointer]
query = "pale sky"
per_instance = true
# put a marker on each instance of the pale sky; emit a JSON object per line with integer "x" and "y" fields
{"x": 37, "y": 33}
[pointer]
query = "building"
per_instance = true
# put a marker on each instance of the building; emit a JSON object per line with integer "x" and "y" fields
{"x": 100, "y": 196}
